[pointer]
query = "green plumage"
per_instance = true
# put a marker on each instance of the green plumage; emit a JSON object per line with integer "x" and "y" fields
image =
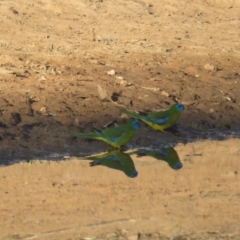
{"x": 116, "y": 136}
{"x": 160, "y": 120}
{"x": 116, "y": 160}
{"x": 167, "y": 154}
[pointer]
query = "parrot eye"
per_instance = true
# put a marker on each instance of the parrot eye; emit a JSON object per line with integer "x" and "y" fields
{"x": 136, "y": 124}
{"x": 178, "y": 166}
{"x": 180, "y": 107}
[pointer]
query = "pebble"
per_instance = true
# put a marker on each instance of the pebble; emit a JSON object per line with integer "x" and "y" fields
{"x": 165, "y": 94}
{"x": 122, "y": 82}
{"x": 93, "y": 61}
{"x": 210, "y": 67}
{"x": 119, "y": 77}
{"x": 134, "y": 237}
{"x": 111, "y": 235}
{"x": 102, "y": 93}
{"x": 16, "y": 118}
{"x": 111, "y": 72}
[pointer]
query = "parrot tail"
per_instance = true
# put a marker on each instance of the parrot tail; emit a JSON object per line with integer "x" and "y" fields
{"x": 134, "y": 115}
{"x": 95, "y": 163}
{"x": 141, "y": 153}
{"x": 85, "y": 135}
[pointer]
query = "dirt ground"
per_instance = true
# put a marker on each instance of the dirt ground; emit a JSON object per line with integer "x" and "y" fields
{"x": 54, "y": 54}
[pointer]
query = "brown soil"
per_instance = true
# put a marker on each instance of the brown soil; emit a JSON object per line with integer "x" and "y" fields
{"x": 53, "y": 55}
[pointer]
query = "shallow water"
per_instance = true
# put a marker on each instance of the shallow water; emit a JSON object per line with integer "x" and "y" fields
{"x": 223, "y": 152}
{"x": 203, "y": 194}
{"x": 149, "y": 142}
{"x": 122, "y": 161}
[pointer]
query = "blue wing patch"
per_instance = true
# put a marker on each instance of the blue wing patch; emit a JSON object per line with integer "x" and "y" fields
{"x": 99, "y": 132}
{"x": 160, "y": 121}
{"x": 113, "y": 157}
{"x": 112, "y": 139}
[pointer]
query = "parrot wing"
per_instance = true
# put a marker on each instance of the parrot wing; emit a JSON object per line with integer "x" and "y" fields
{"x": 118, "y": 161}
{"x": 159, "y": 154}
{"x": 134, "y": 115}
{"x": 160, "y": 114}
{"x": 159, "y": 118}
{"x": 110, "y": 137}
{"x": 99, "y": 159}
{"x": 173, "y": 159}
{"x": 113, "y": 163}
{"x": 116, "y": 132}
{"x": 159, "y": 121}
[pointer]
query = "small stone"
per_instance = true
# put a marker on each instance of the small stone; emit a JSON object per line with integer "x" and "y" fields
{"x": 27, "y": 62}
{"x": 119, "y": 77}
{"x": 102, "y": 93}
{"x": 89, "y": 238}
{"x": 210, "y": 67}
{"x": 134, "y": 237}
{"x": 165, "y": 94}
{"x": 13, "y": 10}
{"x": 228, "y": 98}
{"x": 97, "y": 38}
{"x": 42, "y": 78}
{"x": 111, "y": 72}
{"x": 43, "y": 110}
{"x": 111, "y": 235}
{"x": 124, "y": 231}
{"x": 76, "y": 122}
{"x": 53, "y": 71}
{"x": 93, "y": 61}
{"x": 149, "y": 5}
{"x": 16, "y": 118}
{"x": 121, "y": 82}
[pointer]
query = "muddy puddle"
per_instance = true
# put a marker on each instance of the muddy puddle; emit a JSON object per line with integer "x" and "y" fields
{"x": 220, "y": 153}
{"x": 168, "y": 191}
{"x": 150, "y": 140}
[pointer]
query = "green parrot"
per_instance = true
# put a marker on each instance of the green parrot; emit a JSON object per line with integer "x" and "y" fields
{"x": 160, "y": 120}
{"x": 115, "y": 160}
{"x": 167, "y": 154}
{"x": 116, "y": 137}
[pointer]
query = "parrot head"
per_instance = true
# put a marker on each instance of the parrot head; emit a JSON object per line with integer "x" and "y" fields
{"x": 135, "y": 123}
{"x": 180, "y": 107}
{"x": 132, "y": 173}
{"x": 178, "y": 166}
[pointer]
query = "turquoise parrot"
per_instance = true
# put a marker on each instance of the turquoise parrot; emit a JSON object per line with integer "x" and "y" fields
{"x": 115, "y": 160}
{"x": 160, "y": 120}
{"x": 167, "y": 154}
{"x": 116, "y": 137}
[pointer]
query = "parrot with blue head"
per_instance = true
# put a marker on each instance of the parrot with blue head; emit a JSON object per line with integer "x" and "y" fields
{"x": 160, "y": 120}
{"x": 116, "y": 136}
{"x": 116, "y": 160}
{"x": 167, "y": 154}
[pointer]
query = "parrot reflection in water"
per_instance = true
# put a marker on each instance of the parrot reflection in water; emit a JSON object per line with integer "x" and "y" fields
{"x": 167, "y": 154}
{"x": 116, "y": 160}
{"x": 160, "y": 120}
{"x": 116, "y": 136}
